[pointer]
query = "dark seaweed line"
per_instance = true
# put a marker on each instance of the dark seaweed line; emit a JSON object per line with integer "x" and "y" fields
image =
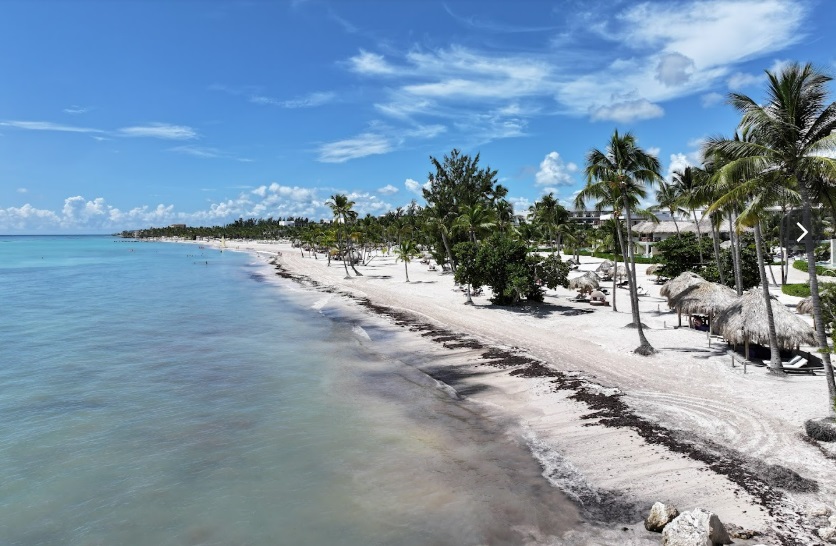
{"x": 611, "y": 411}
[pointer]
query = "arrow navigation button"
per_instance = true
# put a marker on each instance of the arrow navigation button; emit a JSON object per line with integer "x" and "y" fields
{"x": 802, "y": 229}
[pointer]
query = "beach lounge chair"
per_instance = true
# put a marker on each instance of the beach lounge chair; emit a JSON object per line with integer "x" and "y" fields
{"x": 798, "y": 364}
{"x": 641, "y": 291}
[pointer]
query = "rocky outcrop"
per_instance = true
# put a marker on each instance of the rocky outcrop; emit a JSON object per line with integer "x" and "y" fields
{"x": 695, "y": 528}
{"x": 660, "y": 515}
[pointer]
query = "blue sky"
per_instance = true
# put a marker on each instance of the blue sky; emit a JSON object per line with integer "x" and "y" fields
{"x": 122, "y": 115}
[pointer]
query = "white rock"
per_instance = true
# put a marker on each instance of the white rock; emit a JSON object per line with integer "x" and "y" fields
{"x": 828, "y": 534}
{"x": 832, "y": 520}
{"x": 695, "y": 528}
{"x": 659, "y": 516}
{"x": 819, "y": 510}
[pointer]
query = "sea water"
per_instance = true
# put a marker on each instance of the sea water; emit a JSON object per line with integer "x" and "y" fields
{"x": 156, "y": 393}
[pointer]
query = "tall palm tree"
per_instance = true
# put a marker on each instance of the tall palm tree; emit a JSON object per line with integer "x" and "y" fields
{"x": 624, "y": 165}
{"x": 342, "y": 207}
{"x": 553, "y": 218}
{"x": 404, "y": 252}
{"x": 795, "y": 133}
{"x": 667, "y": 199}
{"x": 687, "y": 184}
{"x": 476, "y": 220}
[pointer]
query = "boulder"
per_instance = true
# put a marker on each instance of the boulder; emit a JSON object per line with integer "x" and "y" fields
{"x": 832, "y": 521}
{"x": 695, "y": 528}
{"x": 820, "y": 510}
{"x": 659, "y": 516}
{"x": 736, "y": 531}
{"x": 828, "y": 534}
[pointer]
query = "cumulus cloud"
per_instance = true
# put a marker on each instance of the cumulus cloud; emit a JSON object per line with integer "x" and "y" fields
{"x": 674, "y": 69}
{"x": 388, "y": 189}
{"x": 370, "y": 63}
{"x": 678, "y": 162}
{"x": 654, "y": 151}
{"x": 554, "y": 172}
{"x": 415, "y": 186}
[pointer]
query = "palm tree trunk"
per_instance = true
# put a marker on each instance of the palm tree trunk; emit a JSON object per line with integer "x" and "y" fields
{"x": 783, "y": 243}
{"x": 735, "y": 248}
{"x": 821, "y": 337}
{"x": 340, "y": 243}
{"x": 644, "y": 348}
{"x": 699, "y": 235}
{"x": 406, "y": 270}
{"x": 774, "y": 352}
{"x": 715, "y": 237}
{"x": 351, "y": 257}
{"x": 447, "y": 248}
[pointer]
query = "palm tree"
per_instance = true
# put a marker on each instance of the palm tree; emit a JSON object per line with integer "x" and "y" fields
{"x": 341, "y": 206}
{"x": 476, "y": 220}
{"x": 628, "y": 168}
{"x": 404, "y": 252}
{"x": 795, "y": 131}
{"x": 552, "y": 216}
{"x": 667, "y": 199}
{"x": 687, "y": 184}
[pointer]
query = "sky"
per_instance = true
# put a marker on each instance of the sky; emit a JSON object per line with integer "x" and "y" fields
{"x": 127, "y": 115}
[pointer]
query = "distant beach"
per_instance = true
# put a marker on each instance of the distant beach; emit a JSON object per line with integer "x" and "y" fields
{"x": 614, "y": 430}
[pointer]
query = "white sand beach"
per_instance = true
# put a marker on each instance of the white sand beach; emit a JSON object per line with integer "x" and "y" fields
{"x": 688, "y": 387}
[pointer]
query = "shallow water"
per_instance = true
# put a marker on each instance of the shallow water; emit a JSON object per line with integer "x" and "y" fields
{"x": 157, "y": 393}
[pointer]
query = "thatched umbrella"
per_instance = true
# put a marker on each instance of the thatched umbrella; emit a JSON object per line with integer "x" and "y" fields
{"x": 652, "y": 269}
{"x": 703, "y": 298}
{"x": 744, "y": 321}
{"x": 805, "y": 306}
{"x": 585, "y": 283}
{"x": 604, "y": 266}
{"x": 678, "y": 284}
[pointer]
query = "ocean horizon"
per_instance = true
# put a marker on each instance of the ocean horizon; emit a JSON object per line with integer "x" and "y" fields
{"x": 159, "y": 393}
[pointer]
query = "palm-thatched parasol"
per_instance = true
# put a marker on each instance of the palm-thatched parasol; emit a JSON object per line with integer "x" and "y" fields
{"x": 604, "y": 266}
{"x": 678, "y": 284}
{"x": 621, "y": 271}
{"x": 805, "y": 306}
{"x": 703, "y": 298}
{"x": 652, "y": 269}
{"x": 584, "y": 283}
{"x": 744, "y": 321}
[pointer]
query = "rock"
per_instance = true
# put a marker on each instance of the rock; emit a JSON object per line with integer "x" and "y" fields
{"x": 736, "y": 531}
{"x": 819, "y": 510}
{"x": 832, "y": 520}
{"x": 828, "y": 534}
{"x": 695, "y": 528}
{"x": 659, "y": 516}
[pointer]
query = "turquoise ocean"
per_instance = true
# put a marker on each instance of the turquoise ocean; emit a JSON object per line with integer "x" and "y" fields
{"x": 158, "y": 393}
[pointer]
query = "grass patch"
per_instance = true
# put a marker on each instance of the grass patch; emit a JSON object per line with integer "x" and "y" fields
{"x": 801, "y": 265}
{"x": 801, "y": 290}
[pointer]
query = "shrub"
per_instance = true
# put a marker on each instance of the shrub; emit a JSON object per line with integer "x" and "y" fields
{"x": 801, "y": 290}
{"x": 823, "y": 430}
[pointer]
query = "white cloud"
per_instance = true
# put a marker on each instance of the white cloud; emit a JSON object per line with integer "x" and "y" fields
{"x": 159, "y": 130}
{"x": 654, "y": 151}
{"x": 519, "y": 204}
{"x": 388, "y": 189}
{"x": 554, "y": 172}
{"x": 22, "y": 190}
{"x": 310, "y": 101}
{"x": 48, "y": 126}
{"x": 352, "y": 148}
{"x": 678, "y": 162}
{"x": 370, "y": 63}
{"x": 415, "y": 186}
{"x": 739, "y": 80}
{"x": 426, "y": 131}
{"x": 674, "y": 69}
{"x": 207, "y": 153}
{"x": 627, "y": 111}
{"x": 711, "y": 99}
{"x": 76, "y": 110}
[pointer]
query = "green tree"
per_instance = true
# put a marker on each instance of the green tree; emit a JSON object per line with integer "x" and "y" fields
{"x": 795, "y": 132}
{"x": 342, "y": 208}
{"x": 404, "y": 252}
{"x": 628, "y": 168}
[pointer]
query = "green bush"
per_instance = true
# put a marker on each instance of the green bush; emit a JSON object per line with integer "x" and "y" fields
{"x": 801, "y": 265}
{"x": 801, "y": 290}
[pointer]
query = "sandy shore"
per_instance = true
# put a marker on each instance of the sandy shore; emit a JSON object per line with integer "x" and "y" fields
{"x": 615, "y": 430}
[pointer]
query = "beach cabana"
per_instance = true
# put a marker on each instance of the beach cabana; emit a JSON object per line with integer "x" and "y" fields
{"x": 620, "y": 272}
{"x": 744, "y": 321}
{"x": 604, "y": 266}
{"x": 652, "y": 269}
{"x": 703, "y": 298}
{"x": 805, "y": 306}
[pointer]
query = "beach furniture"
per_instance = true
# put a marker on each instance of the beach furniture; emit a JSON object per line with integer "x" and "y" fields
{"x": 798, "y": 364}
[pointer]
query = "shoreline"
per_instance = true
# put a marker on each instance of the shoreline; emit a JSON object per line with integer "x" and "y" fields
{"x": 575, "y": 410}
